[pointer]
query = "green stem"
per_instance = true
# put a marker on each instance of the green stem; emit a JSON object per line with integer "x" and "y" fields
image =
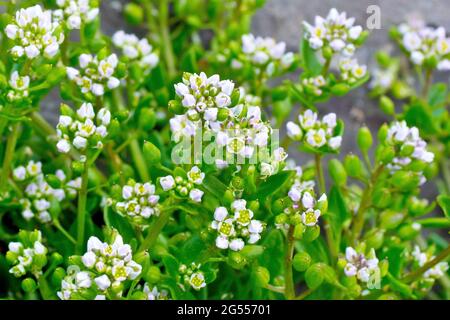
{"x": 365, "y": 203}
{"x": 304, "y": 294}
{"x": 82, "y": 199}
{"x": 427, "y": 84}
{"x": 165, "y": 37}
{"x": 289, "y": 292}
{"x": 156, "y": 229}
{"x": 323, "y": 189}
{"x": 9, "y": 153}
{"x": 42, "y": 124}
{"x": 139, "y": 160}
{"x": 430, "y": 264}
{"x": 58, "y": 226}
{"x": 326, "y": 67}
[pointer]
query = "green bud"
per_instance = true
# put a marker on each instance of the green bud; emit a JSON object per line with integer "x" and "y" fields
{"x": 147, "y": 119}
{"x": 340, "y": 89}
{"x": 409, "y": 231}
{"x": 353, "y": 165}
{"x": 391, "y": 219}
{"x": 364, "y": 139}
{"x": 56, "y": 259}
{"x": 151, "y": 153}
{"x": 236, "y": 260}
{"x": 279, "y": 205}
{"x": 431, "y": 62}
{"x": 65, "y": 110}
{"x": 401, "y": 90}
{"x": 382, "y": 132}
{"x": 223, "y": 114}
{"x": 77, "y": 167}
{"x": 262, "y": 276}
{"x": 39, "y": 261}
{"x": 341, "y": 263}
{"x": 138, "y": 295}
{"x": 55, "y": 76}
{"x": 254, "y": 205}
{"x": 387, "y": 105}
{"x": 301, "y": 261}
{"x": 299, "y": 229}
{"x": 327, "y": 52}
{"x": 337, "y": 172}
{"x": 354, "y": 291}
{"x": 53, "y": 181}
{"x": 228, "y": 197}
{"x": 282, "y": 218}
{"x": 29, "y": 285}
{"x": 384, "y": 267}
{"x": 383, "y": 59}
{"x": 133, "y": 13}
{"x": 375, "y": 238}
{"x": 153, "y": 275}
{"x": 114, "y": 128}
{"x": 57, "y": 276}
{"x": 235, "y": 97}
{"x": 237, "y": 183}
{"x": 385, "y": 154}
{"x": 406, "y": 150}
{"x": 311, "y": 233}
{"x": 175, "y": 107}
{"x": 404, "y": 180}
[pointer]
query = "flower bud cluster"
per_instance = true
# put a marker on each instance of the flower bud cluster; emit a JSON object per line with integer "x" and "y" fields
{"x": 420, "y": 258}
{"x": 79, "y": 130}
{"x": 136, "y": 49}
{"x": 95, "y": 74}
{"x": 351, "y": 71}
{"x": 34, "y": 32}
{"x": 426, "y": 44}
{"x": 102, "y": 271}
{"x": 38, "y": 194}
{"x": 18, "y": 87}
{"x": 336, "y": 31}
{"x": 27, "y": 255}
{"x": 76, "y": 12}
{"x": 192, "y": 275}
{"x": 263, "y": 56}
{"x": 408, "y": 146}
{"x": 185, "y": 186}
{"x": 139, "y": 202}
{"x": 359, "y": 265}
{"x": 237, "y": 228}
{"x": 155, "y": 294}
{"x": 319, "y": 135}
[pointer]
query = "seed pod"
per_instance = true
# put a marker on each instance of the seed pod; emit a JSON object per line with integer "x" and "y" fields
{"x": 337, "y": 172}
{"x": 147, "y": 119}
{"x": 57, "y": 276}
{"x": 151, "y": 153}
{"x": 281, "y": 219}
{"x": 391, "y": 219}
{"x": 353, "y": 165}
{"x": 262, "y": 276}
{"x": 56, "y": 259}
{"x": 228, "y": 197}
{"x": 364, "y": 139}
{"x": 340, "y": 89}
{"x": 311, "y": 233}
{"x": 375, "y": 238}
{"x": 153, "y": 274}
{"x": 133, "y": 13}
{"x": 237, "y": 183}
{"x": 409, "y": 231}
{"x": 404, "y": 180}
{"x": 315, "y": 275}
{"x": 236, "y": 260}
{"x": 381, "y": 197}
{"x": 385, "y": 154}
{"x": 29, "y": 285}
{"x": 327, "y": 52}
{"x": 301, "y": 261}
{"x": 387, "y": 105}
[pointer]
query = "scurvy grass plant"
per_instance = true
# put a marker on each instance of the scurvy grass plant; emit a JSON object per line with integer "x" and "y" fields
{"x": 165, "y": 177}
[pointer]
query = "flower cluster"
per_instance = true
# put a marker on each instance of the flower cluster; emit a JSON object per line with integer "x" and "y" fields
{"x": 95, "y": 74}
{"x": 314, "y": 85}
{"x": 235, "y": 229}
{"x": 18, "y": 87}
{"x": 425, "y": 43}
{"x": 192, "y": 275}
{"x": 351, "y": 71}
{"x": 76, "y": 12}
{"x": 27, "y": 255}
{"x": 263, "y": 55}
{"x": 139, "y": 201}
{"x": 184, "y": 186}
{"x": 318, "y": 135}
{"x": 136, "y": 49}
{"x": 303, "y": 207}
{"x": 229, "y": 116}
{"x": 359, "y": 265}
{"x": 34, "y": 32}
{"x": 39, "y": 194}
{"x": 79, "y": 130}
{"x": 335, "y": 31}
{"x": 103, "y": 269}
{"x": 408, "y": 145}
{"x": 421, "y": 258}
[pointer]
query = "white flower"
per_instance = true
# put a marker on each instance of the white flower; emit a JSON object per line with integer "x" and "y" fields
{"x": 337, "y": 45}
{"x": 196, "y": 195}
{"x": 89, "y": 259}
{"x": 63, "y": 146}
{"x": 15, "y": 247}
{"x": 197, "y": 280}
{"x": 223, "y": 100}
{"x": 195, "y": 175}
{"x": 167, "y": 182}
{"x": 316, "y": 138}
{"x": 79, "y": 142}
{"x": 236, "y": 244}
{"x": 293, "y": 130}
{"x": 222, "y": 242}
{"x": 307, "y": 200}
{"x": 310, "y": 217}
{"x": 220, "y": 213}
{"x": 417, "y": 57}
{"x": 308, "y": 119}
{"x": 103, "y": 282}
{"x": 335, "y": 142}
{"x": 330, "y": 120}
{"x": 20, "y": 173}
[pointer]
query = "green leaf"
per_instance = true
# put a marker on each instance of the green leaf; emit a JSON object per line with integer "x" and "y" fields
{"x": 192, "y": 249}
{"x": 444, "y": 203}
{"x": 272, "y": 184}
{"x": 417, "y": 114}
{"x": 252, "y": 251}
{"x": 171, "y": 264}
{"x": 437, "y": 96}
{"x": 309, "y": 58}
{"x": 435, "y": 222}
{"x": 214, "y": 186}
{"x": 272, "y": 257}
{"x": 116, "y": 221}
